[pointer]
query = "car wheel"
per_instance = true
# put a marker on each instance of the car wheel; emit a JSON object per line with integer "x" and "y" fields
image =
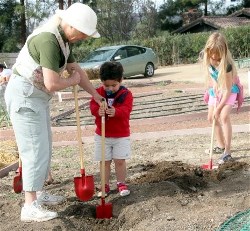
{"x": 149, "y": 70}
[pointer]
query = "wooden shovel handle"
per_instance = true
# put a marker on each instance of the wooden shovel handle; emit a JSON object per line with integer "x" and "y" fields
{"x": 79, "y": 131}
{"x": 19, "y": 162}
{"x": 103, "y": 154}
{"x": 212, "y": 134}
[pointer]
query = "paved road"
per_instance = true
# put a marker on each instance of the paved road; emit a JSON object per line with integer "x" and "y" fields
{"x": 192, "y": 73}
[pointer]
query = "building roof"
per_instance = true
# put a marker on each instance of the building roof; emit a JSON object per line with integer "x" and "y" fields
{"x": 244, "y": 12}
{"x": 214, "y": 23}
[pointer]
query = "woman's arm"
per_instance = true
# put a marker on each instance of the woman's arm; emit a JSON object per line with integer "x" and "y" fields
{"x": 84, "y": 81}
{"x": 53, "y": 82}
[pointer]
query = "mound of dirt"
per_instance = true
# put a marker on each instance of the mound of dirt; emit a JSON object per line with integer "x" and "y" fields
{"x": 169, "y": 190}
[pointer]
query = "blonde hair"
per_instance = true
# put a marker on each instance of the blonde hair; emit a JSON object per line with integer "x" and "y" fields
{"x": 217, "y": 43}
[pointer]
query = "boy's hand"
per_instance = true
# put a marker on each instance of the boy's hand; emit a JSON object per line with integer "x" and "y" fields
{"x": 102, "y": 107}
{"x": 110, "y": 111}
{"x": 101, "y": 111}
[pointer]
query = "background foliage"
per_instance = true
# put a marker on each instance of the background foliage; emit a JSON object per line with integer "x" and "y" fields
{"x": 178, "y": 48}
{"x": 124, "y": 22}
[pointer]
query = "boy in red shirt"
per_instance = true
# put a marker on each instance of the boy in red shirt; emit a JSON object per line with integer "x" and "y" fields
{"x": 117, "y": 129}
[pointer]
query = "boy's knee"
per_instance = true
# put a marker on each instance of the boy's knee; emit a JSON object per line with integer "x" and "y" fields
{"x": 119, "y": 162}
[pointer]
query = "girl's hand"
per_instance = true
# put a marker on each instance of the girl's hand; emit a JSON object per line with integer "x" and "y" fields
{"x": 110, "y": 111}
{"x": 216, "y": 113}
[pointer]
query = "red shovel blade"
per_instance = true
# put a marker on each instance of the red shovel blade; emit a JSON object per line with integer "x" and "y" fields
{"x": 209, "y": 166}
{"x": 104, "y": 211}
{"x": 18, "y": 182}
{"x": 84, "y": 187}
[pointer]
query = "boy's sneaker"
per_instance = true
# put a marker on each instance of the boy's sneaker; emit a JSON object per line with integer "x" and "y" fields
{"x": 48, "y": 199}
{"x": 225, "y": 158}
{"x": 216, "y": 150}
{"x": 35, "y": 212}
{"x": 107, "y": 191}
{"x": 123, "y": 189}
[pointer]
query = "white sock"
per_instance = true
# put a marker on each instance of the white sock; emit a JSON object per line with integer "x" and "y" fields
{"x": 39, "y": 193}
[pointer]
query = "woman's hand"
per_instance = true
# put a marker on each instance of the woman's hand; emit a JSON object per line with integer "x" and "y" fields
{"x": 98, "y": 98}
{"x": 74, "y": 78}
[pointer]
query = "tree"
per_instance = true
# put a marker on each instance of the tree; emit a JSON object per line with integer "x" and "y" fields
{"x": 9, "y": 26}
{"x": 170, "y": 13}
{"x": 22, "y": 22}
{"x": 116, "y": 19}
{"x": 120, "y": 20}
{"x": 246, "y": 3}
{"x": 148, "y": 22}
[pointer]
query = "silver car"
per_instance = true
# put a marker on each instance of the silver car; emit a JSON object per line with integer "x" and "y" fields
{"x": 135, "y": 60}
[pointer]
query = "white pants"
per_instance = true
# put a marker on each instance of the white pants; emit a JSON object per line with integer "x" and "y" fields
{"x": 29, "y": 112}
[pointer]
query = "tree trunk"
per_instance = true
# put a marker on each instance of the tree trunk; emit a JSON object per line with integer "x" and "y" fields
{"x": 23, "y": 23}
{"x": 205, "y": 10}
{"x": 60, "y": 4}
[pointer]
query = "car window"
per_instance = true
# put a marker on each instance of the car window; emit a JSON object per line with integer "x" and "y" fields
{"x": 99, "y": 55}
{"x": 132, "y": 51}
{"x": 122, "y": 53}
{"x": 142, "y": 50}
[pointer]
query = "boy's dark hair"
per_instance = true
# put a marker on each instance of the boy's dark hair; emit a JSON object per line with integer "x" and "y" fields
{"x": 2, "y": 65}
{"x": 111, "y": 71}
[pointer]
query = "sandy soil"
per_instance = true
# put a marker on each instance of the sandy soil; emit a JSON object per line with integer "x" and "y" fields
{"x": 169, "y": 189}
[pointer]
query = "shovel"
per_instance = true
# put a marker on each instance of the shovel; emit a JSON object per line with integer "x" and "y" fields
{"x": 84, "y": 185}
{"x": 210, "y": 165}
{"x": 103, "y": 210}
{"x": 17, "y": 181}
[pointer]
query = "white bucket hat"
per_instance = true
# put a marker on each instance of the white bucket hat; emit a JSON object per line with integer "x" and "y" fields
{"x": 81, "y": 17}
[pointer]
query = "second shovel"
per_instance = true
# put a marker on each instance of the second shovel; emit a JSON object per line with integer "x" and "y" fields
{"x": 84, "y": 185}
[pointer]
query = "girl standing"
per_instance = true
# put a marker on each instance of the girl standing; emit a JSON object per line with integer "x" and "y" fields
{"x": 221, "y": 74}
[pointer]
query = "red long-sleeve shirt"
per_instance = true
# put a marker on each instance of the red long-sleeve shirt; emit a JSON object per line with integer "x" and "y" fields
{"x": 117, "y": 126}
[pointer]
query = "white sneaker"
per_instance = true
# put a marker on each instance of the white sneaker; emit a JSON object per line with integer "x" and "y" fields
{"x": 48, "y": 199}
{"x": 35, "y": 212}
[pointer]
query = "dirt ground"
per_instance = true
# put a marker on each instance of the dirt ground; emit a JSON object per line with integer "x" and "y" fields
{"x": 169, "y": 189}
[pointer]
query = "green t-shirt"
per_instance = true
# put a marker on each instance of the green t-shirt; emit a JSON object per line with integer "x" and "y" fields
{"x": 45, "y": 50}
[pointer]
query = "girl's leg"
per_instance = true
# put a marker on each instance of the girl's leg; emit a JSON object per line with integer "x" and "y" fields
{"x": 120, "y": 170}
{"x": 219, "y": 135}
{"x": 227, "y": 126}
{"x": 218, "y": 128}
